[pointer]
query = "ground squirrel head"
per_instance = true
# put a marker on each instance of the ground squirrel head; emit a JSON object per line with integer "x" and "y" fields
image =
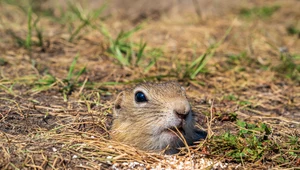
{"x": 147, "y": 116}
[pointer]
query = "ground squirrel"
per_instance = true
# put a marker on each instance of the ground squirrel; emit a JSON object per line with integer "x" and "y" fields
{"x": 146, "y": 116}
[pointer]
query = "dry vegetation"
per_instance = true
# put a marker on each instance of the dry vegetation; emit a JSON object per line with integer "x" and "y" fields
{"x": 61, "y": 65}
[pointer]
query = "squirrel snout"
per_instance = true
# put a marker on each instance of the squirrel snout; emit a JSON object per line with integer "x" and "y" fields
{"x": 181, "y": 109}
{"x": 181, "y": 116}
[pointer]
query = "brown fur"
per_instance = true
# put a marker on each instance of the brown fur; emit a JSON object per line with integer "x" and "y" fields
{"x": 145, "y": 125}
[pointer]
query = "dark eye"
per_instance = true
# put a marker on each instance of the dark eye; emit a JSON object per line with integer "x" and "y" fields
{"x": 140, "y": 97}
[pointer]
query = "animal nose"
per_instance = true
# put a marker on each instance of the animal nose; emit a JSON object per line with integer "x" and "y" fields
{"x": 181, "y": 109}
{"x": 181, "y": 115}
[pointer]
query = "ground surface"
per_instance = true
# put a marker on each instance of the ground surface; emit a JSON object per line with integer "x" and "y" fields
{"x": 57, "y": 87}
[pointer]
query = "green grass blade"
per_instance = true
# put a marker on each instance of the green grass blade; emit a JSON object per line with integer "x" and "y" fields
{"x": 128, "y": 34}
{"x": 83, "y": 70}
{"x": 99, "y": 11}
{"x": 71, "y": 69}
{"x": 86, "y": 21}
{"x": 105, "y": 32}
{"x": 39, "y": 32}
{"x": 78, "y": 29}
{"x": 119, "y": 56}
{"x": 129, "y": 52}
{"x": 19, "y": 40}
{"x": 197, "y": 61}
{"x": 202, "y": 63}
{"x": 150, "y": 65}
{"x": 29, "y": 28}
{"x": 197, "y": 66}
{"x": 75, "y": 11}
{"x": 140, "y": 53}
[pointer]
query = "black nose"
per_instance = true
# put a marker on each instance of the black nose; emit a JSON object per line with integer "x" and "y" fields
{"x": 181, "y": 116}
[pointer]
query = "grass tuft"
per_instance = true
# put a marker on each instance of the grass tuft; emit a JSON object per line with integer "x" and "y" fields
{"x": 66, "y": 85}
{"x": 292, "y": 30}
{"x": 288, "y": 66}
{"x": 197, "y": 66}
{"x": 253, "y": 143}
{"x": 44, "y": 83}
{"x": 31, "y": 25}
{"x": 72, "y": 79}
{"x": 121, "y": 48}
{"x": 85, "y": 20}
{"x": 130, "y": 54}
{"x": 3, "y": 62}
{"x": 259, "y": 12}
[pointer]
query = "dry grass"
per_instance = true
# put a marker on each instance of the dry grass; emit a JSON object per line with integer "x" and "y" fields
{"x": 55, "y": 115}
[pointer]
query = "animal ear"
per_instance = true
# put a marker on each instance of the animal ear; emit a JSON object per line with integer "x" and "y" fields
{"x": 183, "y": 90}
{"x": 118, "y": 103}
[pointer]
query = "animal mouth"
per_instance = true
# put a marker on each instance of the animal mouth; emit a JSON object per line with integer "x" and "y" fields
{"x": 176, "y": 129}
